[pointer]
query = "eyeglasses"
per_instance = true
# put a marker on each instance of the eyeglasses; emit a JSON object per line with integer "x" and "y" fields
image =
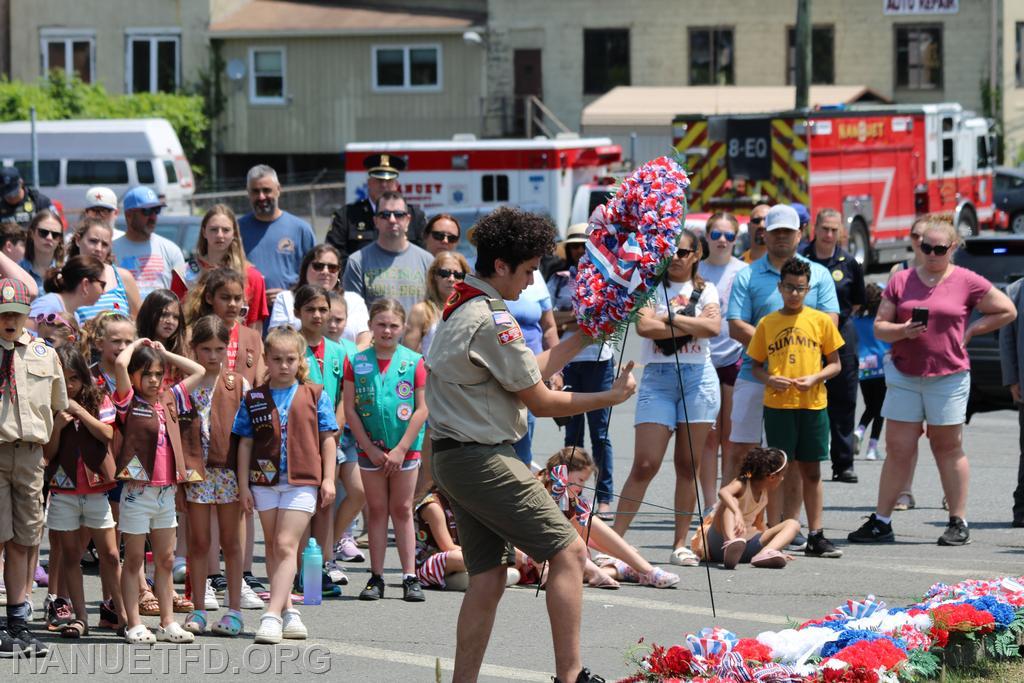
{"x": 719, "y": 234}
{"x": 683, "y": 252}
{"x": 444, "y": 274}
{"x": 320, "y": 267}
{"x": 152, "y": 211}
{"x": 793, "y": 289}
{"x": 939, "y": 249}
{"x": 444, "y": 236}
{"x": 756, "y": 221}
{"x": 387, "y": 215}
{"x": 55, "y": 234}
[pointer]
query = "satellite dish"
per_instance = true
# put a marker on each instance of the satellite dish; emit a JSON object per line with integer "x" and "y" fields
{"x": 235, "y": 70}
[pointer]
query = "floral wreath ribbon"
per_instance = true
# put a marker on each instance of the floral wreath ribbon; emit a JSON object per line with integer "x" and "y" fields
{"x": 559, "y": 475}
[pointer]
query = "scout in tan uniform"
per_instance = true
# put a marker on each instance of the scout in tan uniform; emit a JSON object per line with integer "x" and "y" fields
{"x": 482, "y": 380}
{"x": 31, "y": 390}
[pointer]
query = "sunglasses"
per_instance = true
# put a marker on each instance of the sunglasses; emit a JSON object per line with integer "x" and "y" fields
{"x": 55, "y": 234}
{"x": 152, "y": 211}
{"x": 444, "y": 236}
{"x": 389, "y": 214}
{"x": 719, "y": 234}
{"x": 683, "y": 252}
{"x": 444, "y": 274}
{"x": 101, "y": 283}
{"x": 320, "y": 267}
{"x": 53, "y": 319}
{"x": 939, "y": 249}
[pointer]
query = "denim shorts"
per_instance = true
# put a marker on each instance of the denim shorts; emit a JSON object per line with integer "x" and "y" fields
{"x": 936, "y": 400}
{"x": 659, "y": 402}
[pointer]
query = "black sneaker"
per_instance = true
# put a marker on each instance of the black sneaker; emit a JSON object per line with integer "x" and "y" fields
{"x": 847, "y": 476}
{"x": 956, "y": 533}
{"x": 33, "y": 647}
{"x": 374, "y": 588}
{"x": 219, "y": 583}
{"x": 819, "y": 546}
{"x": 58, "y": 614}
{"x": 872, "y": 531}
{"x": 108, "y": 617}
{"x": 255, "y": 584}
{"x": 411, "y": 590}
{"x": 10, "y": 646}
{"x": 585, "y": 677}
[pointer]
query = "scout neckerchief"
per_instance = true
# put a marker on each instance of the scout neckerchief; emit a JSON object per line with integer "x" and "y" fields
{"x": 460, "y": 295}
{"x": 7, "y": 381}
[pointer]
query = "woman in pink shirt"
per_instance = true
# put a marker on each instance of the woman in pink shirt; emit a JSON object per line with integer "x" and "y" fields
{"x": 924, "y": 315}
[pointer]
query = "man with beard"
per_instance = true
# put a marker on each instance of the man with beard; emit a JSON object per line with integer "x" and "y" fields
{"x": 149, "y": 257}
{"x": 274, "y": 240}
{"x": 755, "y": 228}
{"x": 353, "y": 227}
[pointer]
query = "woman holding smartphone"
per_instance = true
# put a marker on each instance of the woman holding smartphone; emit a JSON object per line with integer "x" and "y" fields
{"x": 924, "y": 315}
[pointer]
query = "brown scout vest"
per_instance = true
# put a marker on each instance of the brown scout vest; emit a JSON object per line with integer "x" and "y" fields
{"x": 62, "y": 472}
{"x": 305, "y": 467}
{"x": 135, "y": 440}
{"x": 250, "y": 348}
{"x": 223, "y": 450}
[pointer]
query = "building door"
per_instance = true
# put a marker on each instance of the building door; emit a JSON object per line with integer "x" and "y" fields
{"x": 527, "y": 82}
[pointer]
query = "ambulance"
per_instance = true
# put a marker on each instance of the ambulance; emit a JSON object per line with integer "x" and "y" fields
{"x": 881, "y": 166}
{"x": 564, "y": 177}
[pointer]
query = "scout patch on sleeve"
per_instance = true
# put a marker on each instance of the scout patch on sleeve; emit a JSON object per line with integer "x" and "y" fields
{"x": 509, "y": 335}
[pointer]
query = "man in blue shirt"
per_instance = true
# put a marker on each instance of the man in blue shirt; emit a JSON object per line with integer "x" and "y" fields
{"x": 274, "y": 240}
{"x": 755, "y": 294}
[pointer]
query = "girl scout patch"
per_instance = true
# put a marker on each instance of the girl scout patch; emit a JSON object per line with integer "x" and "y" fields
{"x": 404, "y": 412}
{"x": 363, "y": 368}
{"x": 404, "y": 389}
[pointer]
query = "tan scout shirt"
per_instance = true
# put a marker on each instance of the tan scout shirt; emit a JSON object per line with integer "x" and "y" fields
{"x": 474, "y": 374}
{"x": 39, "y": 382}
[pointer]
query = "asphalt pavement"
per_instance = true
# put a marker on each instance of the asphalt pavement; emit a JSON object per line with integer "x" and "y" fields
{"x": 395, "y": 641}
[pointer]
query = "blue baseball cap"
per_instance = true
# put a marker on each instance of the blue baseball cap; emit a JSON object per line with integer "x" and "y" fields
{"x": 802, "y": 212}
{"x": 141, "y": 197}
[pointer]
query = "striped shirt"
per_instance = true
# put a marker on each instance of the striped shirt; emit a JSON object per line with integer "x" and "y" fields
{"x": 115, "y": 299}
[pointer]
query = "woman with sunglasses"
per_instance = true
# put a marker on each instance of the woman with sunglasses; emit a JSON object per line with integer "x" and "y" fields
{"x": 45, "y": 246}
{"x": 78, "y": 283}
{"x": 93, "y": 237}
{"x": 322, "y": 266}
{"x": 676, "y": 354}
{"x": 924, "y": 314}
{"x": 720, "y": 269}
{"x": 220, "y": 244}
{"x": 448, "y": 268}
{"x": 441, "y": 234}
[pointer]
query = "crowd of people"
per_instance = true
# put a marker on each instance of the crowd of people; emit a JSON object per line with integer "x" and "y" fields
{"x": 156, "y": 402}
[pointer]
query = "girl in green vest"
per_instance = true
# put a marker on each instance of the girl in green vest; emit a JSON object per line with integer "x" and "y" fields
{"x": 326, "y": 360}
{"x": 385, "y": 408}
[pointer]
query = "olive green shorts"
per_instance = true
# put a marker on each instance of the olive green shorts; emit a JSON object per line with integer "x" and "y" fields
{"x": 497, "y": 500}
{"x": 801, "y": 432}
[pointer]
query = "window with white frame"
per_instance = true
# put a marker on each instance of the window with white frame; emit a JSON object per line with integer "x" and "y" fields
{"x": 73, "y": 52}
{"x": 407, "y": 67}
{"x": 266, "y": 75}
{"x": 153, "y": 61}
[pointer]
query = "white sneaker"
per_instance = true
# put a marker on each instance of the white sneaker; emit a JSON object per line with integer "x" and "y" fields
{"x": 872, "y": 454}
{"x": 293, "y": 628}
{"x": 249, "y": 598}
{"x": 335, "y": 573}
{"x": 269, "y": 631}
{"x": 210, "y": 601}
{"x": 178, "y": 571}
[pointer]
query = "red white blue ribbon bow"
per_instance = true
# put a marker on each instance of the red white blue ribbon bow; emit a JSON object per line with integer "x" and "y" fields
{"x": 559, "y": 476}
{"x": 618, "y": 264}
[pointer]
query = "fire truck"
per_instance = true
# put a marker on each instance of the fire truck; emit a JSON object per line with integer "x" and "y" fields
{"x": 468, "y": 178}
{"x": 881, "y": 166}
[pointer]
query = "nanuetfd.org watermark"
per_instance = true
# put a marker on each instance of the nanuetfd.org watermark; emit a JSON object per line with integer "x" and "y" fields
{"x": 184, "y": 660}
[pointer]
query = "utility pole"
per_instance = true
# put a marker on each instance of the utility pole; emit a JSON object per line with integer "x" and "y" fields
{"x": 803, "y": 52}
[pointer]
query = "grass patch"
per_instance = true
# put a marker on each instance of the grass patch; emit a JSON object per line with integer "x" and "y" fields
{"x": 988, "y": 670}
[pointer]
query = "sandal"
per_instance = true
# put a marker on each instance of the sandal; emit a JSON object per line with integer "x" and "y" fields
{"x": 139, "y": 635}
{"x": 195, "y": 622}
{"x": 230, "y": 624}
{"x": 770, "y": 559}
{"x": 149, "y": 606}
{"x": 174, "y": 633}
{"x": 684, "y": 557}
{"x": 74, "y": 629}
{"x": 183, "y": 605}
{"x": 905, "y": 501}
{"x": 602, "y": 580}
{"x": 732, "y": 552}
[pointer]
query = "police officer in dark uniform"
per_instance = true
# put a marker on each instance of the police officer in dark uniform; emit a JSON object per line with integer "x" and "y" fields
{"x": 842, "y": 389}
{"x": 352, "y": 227}
{"x": 19, "y": 203}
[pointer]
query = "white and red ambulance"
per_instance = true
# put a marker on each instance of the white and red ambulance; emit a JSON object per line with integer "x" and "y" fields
{"x": 468, "y": 178}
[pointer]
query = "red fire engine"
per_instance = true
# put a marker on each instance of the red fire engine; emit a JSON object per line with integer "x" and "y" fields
{"x": 881, "y": 166}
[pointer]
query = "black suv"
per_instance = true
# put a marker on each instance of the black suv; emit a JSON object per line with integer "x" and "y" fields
{"x": 1000, "y": 259}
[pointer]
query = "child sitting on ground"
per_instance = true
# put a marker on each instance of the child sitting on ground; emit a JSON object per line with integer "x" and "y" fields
{"x": 735, "y": 530}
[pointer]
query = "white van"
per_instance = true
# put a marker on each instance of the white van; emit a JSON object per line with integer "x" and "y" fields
{"x": 77, "y": 154}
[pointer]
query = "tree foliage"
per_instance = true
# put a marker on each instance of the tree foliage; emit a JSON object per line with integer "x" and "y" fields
{"x": 55, "y": 97}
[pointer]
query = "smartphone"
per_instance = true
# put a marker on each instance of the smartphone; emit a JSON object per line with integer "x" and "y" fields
{"x": 919, "y": 316}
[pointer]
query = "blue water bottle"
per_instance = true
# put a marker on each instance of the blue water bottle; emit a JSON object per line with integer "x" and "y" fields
{"x": 312, "y": 568}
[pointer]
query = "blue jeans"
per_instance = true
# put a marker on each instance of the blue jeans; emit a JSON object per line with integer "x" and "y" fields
{"x": 524, "y": 447}
{"x": 590, "y": 377}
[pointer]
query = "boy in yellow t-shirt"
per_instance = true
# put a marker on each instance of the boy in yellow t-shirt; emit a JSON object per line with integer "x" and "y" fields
{"x": 787, "y": 348}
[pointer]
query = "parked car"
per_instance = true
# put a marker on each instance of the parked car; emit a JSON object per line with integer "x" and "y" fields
{"x": 1000, "y": 259}
{"x": 183, "y": 230}
{"x": 1009, "y": 196}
